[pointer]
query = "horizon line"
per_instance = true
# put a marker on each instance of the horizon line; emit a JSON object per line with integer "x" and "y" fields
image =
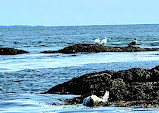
{"x": 73, "y": 25}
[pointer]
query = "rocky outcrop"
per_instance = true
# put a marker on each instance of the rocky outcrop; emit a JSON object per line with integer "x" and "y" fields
{"x": 11, "y": 51}
{"x": 94, "y": 48}
{"x": 131, "y": 87}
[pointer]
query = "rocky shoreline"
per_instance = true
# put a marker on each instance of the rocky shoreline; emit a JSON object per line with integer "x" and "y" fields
{"x": 11, "y": 51}
{"x": 94, "y": 48}
{"x": 81, "y": 48}
{"x": 133, "y": 87}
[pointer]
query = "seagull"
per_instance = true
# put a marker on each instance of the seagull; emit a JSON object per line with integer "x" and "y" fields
{"x": 97, "y": 41}
{"x": 93, "y": 100}
{"x": 133, "y": 42}
{"x": 104, "y": 41}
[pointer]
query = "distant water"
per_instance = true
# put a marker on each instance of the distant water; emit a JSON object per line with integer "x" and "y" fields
{"x": 24, "y": 76}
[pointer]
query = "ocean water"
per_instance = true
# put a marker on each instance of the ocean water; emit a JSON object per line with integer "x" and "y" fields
{"x": 23, "y": 77}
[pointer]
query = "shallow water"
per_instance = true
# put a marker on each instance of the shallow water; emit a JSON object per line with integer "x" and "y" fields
{"x": 24, "y": 76}
{"x": 35, "y": 103}
{"x": 40, "y": 61}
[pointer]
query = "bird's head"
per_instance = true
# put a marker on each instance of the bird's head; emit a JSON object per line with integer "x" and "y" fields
{"x": 106, "y": 38}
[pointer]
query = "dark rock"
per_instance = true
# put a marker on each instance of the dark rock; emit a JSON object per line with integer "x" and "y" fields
{"x": 49, "y": 51}
{"x": 94, "y": 83}
{"x": 75, "y": 100}
{"x": 93, "y": 48}
{"x": 11, "y": 51}
{"x": 134, "y": 75}
{"x": 136, "y": 86}
{"x": 118, "y": 90}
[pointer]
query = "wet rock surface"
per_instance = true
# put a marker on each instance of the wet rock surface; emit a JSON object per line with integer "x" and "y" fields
{"x": 94, "y": 48}
{"x": 133, "y": 87}
{"x": 11, "y": 51}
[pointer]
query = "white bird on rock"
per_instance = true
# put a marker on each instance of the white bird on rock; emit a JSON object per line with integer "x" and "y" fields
{"x": 97, "y": 41}
{"x": 104, "y": 41}
{"x": 93, "y": 100}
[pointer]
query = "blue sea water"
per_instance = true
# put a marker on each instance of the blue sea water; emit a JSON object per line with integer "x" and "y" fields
{"x": 24, "y": 76}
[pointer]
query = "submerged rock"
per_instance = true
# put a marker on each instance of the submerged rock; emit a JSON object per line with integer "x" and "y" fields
{"x": 136, "y": 86}
{"x": 11, "y": 51}
{"x": 94, "y": 48}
